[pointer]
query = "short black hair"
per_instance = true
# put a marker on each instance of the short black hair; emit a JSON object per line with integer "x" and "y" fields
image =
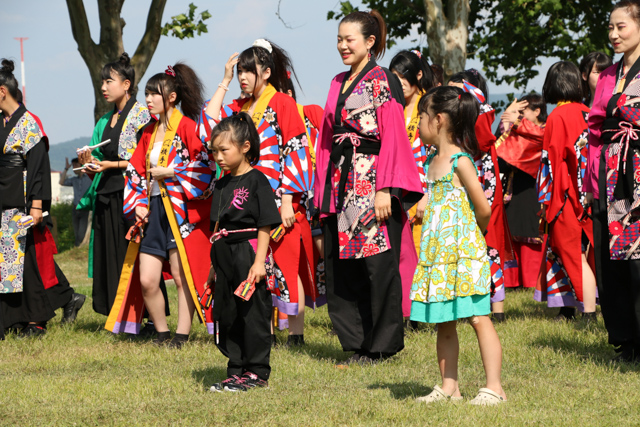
{"x": 536, "y": 101}
{"x": 563, "y": 83}
{"x": 8, "y": 80}
{"x": 239, "y": 128}
{"x": 601, "y": 60}
{"x": 408, "y": 64}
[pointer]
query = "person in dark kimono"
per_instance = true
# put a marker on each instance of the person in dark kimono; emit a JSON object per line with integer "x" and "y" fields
{"x": 366, "y": 181}
{"x": 32, "y": 286}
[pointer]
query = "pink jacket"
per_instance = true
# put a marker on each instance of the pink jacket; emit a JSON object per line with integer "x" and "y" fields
{"x": 604, "y": 92}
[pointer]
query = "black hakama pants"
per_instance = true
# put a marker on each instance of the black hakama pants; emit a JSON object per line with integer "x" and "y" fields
{"x": 244, "y": 327}
{"x": 365, "y": 295}
{"x": 110, "y": 245}
{"x": 618, "y": 281}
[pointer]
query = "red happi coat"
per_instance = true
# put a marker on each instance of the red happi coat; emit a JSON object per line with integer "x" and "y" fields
{"x": 187, "y": 195}
{"x": 559, "y": 189}
{"x": 497, "y": 236}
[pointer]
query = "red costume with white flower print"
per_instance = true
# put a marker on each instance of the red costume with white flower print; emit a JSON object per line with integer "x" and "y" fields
{"x": 559, "y": 188}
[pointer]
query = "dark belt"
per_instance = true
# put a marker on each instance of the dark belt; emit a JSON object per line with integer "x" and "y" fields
{"x": 345, "y": 144}
{"x": 12, "y": 161}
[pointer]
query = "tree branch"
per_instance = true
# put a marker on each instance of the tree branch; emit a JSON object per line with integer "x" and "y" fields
{"x": 286, "y": 25}
{"x": 80, "y": 27}
{"x": 110, "y": 28}
{"x": 149, "y": 42}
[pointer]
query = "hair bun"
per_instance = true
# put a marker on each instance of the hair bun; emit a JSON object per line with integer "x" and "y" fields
{"x": 124, "y": 59}
{"x": 7, "y": 66}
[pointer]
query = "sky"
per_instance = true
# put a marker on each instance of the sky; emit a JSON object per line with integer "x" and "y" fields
{"x": 58, "y": 85}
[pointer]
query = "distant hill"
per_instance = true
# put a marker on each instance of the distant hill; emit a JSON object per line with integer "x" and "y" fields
{"x": 57, "y": 152}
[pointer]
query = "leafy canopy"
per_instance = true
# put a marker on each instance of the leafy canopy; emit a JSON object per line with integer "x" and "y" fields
{"x": 187, "y": 25}
{"x": 509, "y": 37}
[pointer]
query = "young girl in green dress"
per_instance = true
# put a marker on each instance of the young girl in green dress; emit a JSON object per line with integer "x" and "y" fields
{"x": 453, "y": 278}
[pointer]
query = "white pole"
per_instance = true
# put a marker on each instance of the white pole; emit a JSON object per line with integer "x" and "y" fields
{"x": 24, "y": 85}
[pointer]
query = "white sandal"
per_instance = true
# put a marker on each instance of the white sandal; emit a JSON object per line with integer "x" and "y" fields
{"x": 487, "y": 397}
{"x": 438, "y": 395}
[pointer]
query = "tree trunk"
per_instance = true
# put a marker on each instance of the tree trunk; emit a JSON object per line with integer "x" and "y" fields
{"x": 111, "y": 47}
{"x": 447, "y": 35}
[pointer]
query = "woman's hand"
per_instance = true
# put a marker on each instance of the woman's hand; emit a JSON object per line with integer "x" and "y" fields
{"x": 85, "y": 157}
{"x": 102, "y": 166}
{"x": 382, "y": 205}
{"x": 257, "y": 272}
{"x": 422, "y": 205}
{"x": 211, "y": 278}
{"x": 37, "y": 215}
{"x": 287, "y": 214}
{"x": 161, "y": 173}
{"x": 589, "y": 198}
{"x": 228, "y": 69}
{"x": 141, "y": 213}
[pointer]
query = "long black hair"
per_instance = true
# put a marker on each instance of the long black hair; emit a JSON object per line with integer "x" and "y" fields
{"x": 185, "y": 83}
{"x": 277, "y": 61}
{"x": 462, "y": 109}
{"x": 474, "y": 77}
{"x": 408, "y": 64}
{"x": 7, "y": 79}
{"x": 239, "y": 128}
{"x": 602, "y": 61}
{"x": 123, "y": 69}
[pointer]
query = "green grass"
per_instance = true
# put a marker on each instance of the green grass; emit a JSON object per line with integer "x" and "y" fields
{"x": 553, "y": 374}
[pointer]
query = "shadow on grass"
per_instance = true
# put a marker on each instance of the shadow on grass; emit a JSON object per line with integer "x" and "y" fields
{"x": 575, "y": 345}
{"x": 318, "y": 351}
{"x": 209, "y": 376}
{"x": 403, "y": 390}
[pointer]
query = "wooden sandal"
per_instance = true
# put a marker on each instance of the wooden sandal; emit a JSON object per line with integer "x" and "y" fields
{"x": 487, "y": 397}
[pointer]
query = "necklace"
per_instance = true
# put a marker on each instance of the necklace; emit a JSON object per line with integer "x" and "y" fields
{"x": 221, "y": 206}
{"x": 6, "y": 119}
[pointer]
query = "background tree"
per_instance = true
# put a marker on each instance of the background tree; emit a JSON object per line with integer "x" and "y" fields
{"x": 508, "y": 36}
{"x": 110, "y": 47}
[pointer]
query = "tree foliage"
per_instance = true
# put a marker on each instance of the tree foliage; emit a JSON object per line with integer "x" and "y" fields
{"x": 509, "y": 37}
{"x": 111, "y": 46}
{"x": 187, "y": 25}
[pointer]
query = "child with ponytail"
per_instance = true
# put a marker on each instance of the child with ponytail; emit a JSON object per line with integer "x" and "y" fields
{"x": 453, "y": 277}
{"x": 243, "y": 211}
{"x": 167, "y": 180}
{"x": 285, "y": 161}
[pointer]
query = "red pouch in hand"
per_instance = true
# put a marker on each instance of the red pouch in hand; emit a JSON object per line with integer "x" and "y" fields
{"x": 207, "y": 298}
{"x": 245, "y": 290}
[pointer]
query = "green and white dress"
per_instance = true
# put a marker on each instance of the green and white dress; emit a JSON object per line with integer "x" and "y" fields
{"x": 453, "y": 278}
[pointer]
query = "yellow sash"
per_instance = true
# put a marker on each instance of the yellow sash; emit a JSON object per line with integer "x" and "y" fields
{"x": 312, "y": 152}
{"x": 163, "y": 161}
{"x": 412, "y": 127}
{"x": 261, "y": 104}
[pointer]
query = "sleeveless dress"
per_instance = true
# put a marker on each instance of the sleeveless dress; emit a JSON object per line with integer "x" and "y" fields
{"x": 453, "y": 278}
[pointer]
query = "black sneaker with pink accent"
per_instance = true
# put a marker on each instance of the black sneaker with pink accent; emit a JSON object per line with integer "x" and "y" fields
{"x": 248, "y": 381}
{"x": 219, "y": 387}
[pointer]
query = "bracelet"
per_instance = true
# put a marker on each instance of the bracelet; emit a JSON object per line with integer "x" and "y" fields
{"x": 33, "y": 207}
{"x": 223, "y": 86}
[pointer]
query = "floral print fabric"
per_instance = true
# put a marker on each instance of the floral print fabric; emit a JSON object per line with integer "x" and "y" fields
{"x": 453, "y": 253}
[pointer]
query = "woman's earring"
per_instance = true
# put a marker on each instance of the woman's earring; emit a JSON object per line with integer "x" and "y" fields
{"x": 369, "y": 53}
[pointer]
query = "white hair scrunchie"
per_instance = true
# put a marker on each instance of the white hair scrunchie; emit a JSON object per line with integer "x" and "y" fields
{"x": 263, "y": 44}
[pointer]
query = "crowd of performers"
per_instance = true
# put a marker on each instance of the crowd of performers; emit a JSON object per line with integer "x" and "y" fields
{"x": 395, "y": 204}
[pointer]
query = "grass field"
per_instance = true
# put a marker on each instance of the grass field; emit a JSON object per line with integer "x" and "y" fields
{"x": 553, "y": 374}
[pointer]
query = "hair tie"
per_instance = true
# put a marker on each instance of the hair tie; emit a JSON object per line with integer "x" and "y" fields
{"x": 289, "y": 74}
{"x": 418, "y": 53}
{"x": 263, "y": 44}
{"x": 169, "y": 71}
{"x": 459, "y": 95}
